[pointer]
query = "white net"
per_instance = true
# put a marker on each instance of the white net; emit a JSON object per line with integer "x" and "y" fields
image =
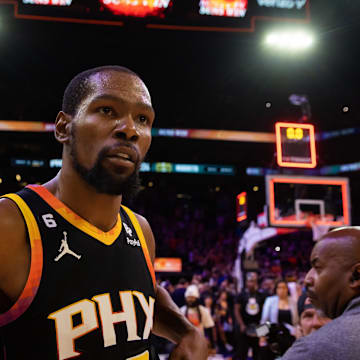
{"x": 318, "y": 229}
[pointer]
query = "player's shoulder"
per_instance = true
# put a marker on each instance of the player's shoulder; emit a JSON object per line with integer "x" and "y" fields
{"x": 141, "y": 219}
{"x": 14, "y": 253}
{"x": 12, "y": 228}
{"x": 11, "y": 219}
{"x": 144, "y": 224}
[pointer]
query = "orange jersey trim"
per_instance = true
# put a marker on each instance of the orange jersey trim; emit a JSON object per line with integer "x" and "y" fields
{"x": 36, "y": 266}
{"x": 143, "y": 243}
{"x": 106, "y": 238}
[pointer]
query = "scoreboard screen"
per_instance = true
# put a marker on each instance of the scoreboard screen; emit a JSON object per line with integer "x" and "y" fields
{"x": 295, "y": 145}
{"x": 201, "y": 15}
{"x": 223, "y": 8}
{"x": 137, "y": 8}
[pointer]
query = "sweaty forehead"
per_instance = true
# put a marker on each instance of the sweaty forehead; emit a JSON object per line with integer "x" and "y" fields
{"x": 126, "y": 85}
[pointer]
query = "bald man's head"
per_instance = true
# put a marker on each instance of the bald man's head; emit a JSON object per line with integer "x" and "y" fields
{"x": 344, "y": 244}
{"x": 334, "y": 278}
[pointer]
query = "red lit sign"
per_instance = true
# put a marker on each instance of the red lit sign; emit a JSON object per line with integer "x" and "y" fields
{"x": 138, "y": 8}
{"x": 241, "y": 207}
{"x": 295, "y": 145}
{"x": 168, "y": 265}
{"x": 230, "y": 8}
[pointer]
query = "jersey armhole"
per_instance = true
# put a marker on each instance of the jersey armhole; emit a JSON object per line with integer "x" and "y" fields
{"x": 143, "y": 243}
{"x": 36, "y": 264}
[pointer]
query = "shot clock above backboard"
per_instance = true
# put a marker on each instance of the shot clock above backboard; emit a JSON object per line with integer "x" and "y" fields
{"x": 295, "y": 145}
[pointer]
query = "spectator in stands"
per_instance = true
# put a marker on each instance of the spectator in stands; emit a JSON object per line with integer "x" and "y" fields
{"x": 197, "y": 314}
{"x": 300, "y": 287}
{"x": 281, "y": 308}
{"x": 247, "y": 311}
{"x": 224, "y": 323}
{"x": 310, "y": 319}
{"x": 210, "y": 333}
{"x": 268, "y": 286}
{"x": 333, "y": 285}
{"x": 209, "y": 304}
{"x": 178, "y": 293}
{"x": 166, "y": 284}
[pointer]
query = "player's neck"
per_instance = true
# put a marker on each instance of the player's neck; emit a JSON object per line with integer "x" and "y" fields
{"x": 100, "y": 210}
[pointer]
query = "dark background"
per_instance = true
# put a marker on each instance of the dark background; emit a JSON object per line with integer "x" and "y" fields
{"x": 197, "y": 80}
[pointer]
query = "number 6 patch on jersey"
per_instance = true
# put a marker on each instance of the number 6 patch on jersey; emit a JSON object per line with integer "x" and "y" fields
{"x": 143, "y": 356}
{"x": 49, "y": 220}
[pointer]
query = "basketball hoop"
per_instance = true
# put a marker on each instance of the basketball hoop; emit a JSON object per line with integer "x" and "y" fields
{"x": 319, "y": 228}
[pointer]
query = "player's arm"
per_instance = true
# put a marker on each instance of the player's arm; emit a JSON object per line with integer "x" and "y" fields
{"x": 169, "y": 322}
{"x": 14, "y": 254}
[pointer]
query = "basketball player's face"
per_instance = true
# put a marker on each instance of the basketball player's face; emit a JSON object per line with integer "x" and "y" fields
{"x": 111, "y": 133}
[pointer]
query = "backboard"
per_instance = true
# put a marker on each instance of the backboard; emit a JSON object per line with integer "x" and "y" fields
{"x": 295, "y": 201}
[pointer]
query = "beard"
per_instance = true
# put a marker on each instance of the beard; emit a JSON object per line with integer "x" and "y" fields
{"x": 101, "y": 179}
{"x": 192, "y": 304}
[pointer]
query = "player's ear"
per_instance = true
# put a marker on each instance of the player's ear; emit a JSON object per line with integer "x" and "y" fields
{"x": 62, "y": 127}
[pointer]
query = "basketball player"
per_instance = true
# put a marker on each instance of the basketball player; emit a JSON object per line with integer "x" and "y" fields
{"x": 76, "y": 266}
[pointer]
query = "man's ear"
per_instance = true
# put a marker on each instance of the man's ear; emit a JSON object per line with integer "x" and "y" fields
{"x": 62, "y": 127}
{"x": 299, "y": 331}
{"x": 355, "y": 277}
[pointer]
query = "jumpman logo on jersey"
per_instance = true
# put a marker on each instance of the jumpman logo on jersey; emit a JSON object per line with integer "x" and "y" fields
{"x": 64, "y": 249}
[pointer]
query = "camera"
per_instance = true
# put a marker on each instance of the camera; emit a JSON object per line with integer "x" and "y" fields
{"x": 278, "y": 337}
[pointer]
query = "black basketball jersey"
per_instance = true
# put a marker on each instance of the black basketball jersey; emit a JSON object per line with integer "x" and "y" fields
{"x": 89, "y": 295}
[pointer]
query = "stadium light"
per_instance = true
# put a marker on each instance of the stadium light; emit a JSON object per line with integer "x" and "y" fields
{"x": 289, "y": 40}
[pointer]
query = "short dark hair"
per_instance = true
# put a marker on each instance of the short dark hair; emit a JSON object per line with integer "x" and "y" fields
{"x": 79, "y": 87}
{"x": 302, "y": 303}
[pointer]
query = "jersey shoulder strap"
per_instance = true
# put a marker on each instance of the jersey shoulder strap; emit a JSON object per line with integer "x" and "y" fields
{"x": 36, "y": 266}
{"x": 142, "y": 239}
